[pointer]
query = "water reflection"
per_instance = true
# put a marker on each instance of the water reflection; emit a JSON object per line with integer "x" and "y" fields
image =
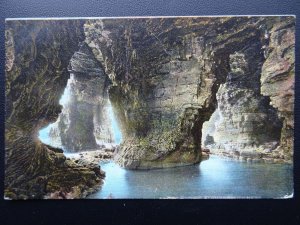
{"x": 213, "y": 178}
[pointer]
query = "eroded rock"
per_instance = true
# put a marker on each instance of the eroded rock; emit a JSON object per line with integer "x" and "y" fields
{"x": 166, "y": 73}
{"x": 36, "y": 75}
{"x": 244, "y": 121}
{"x": 278, "y": 79}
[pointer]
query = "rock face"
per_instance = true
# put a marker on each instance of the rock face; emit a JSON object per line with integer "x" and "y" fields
{"x": 244, "y": 123}
{"x": 278, "y": 79}
{"x": 165, "y": 75}
{"x": 158, "y": 114}
{"x": 36, "y": 74}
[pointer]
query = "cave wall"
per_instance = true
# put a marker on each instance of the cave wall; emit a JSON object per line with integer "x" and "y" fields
{"x": 37, "y": 57}
{"x": 244, "y": 125}
{"x": 165, "y": 74}
{"x": 246, "y": 130}
{"x": 150, "y": 76}
{"x": 278, "y": 79}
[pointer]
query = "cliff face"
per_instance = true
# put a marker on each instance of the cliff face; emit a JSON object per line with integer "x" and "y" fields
{"x": 244, "y": 124}
{"x": 38, "y": 53}
{"x": 278, "y": 79}
{"x": 151, "y": 63}
{"x": 165, "y": 75}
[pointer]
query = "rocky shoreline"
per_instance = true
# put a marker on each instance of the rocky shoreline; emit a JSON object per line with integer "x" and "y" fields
{"x": 92, "y": 156}
{"x": 89, "y": 159}
{"x": 92, "y": 159}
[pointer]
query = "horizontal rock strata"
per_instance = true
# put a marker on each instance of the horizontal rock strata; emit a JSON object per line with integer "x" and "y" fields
{"x": 278, "y": 79}
{"x": 166, "y": 73}
{"x": 244, "y": 125}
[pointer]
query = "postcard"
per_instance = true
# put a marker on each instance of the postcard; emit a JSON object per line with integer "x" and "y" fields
{"x": 150, "y": 107}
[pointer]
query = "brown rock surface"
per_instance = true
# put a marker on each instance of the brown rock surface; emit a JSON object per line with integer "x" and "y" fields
{"x": 36, "y": 75}
{"x": 278, "y": 79}
{"x": 165, "y": 74}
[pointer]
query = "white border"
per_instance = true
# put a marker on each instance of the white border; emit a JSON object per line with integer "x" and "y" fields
{"x": 136, "y": 17}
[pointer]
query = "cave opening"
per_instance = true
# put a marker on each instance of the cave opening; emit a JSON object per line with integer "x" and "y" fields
{"x": 87, "y": 120}
{"x": 50, "y": 134}
{"x": 239, "y": 131}
{"x": 160, "y": 78}
{"x": 243, "y": 125}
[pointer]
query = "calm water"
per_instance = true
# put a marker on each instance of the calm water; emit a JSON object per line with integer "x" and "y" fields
{"x": 213, "y": 178}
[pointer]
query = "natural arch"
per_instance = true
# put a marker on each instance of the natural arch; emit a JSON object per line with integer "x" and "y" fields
{"x": 86, "y": 121}
{"x": 166, "y": 73}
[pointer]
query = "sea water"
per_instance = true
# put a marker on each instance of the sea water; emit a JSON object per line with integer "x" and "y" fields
{"x": 213, "y": 178}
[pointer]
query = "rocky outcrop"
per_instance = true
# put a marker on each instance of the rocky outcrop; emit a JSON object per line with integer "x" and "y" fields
{"x": 92, "y": 157}
{"x": 156, "y": 112}
{"x": 278, "y": 79}
{"x": 244, "y": 124}
{"x": 165, "y": 74}
{"x": 38, "y": 53}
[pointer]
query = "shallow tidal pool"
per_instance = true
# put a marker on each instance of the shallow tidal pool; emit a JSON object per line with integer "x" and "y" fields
{"x": 213, "y": 178}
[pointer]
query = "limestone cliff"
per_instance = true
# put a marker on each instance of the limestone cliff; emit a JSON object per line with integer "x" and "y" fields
{"x": 245, "y": 124}
{"x": 38, "y": 54}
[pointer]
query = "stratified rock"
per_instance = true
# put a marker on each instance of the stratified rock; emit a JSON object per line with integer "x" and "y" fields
{"x": 246, "y": 124}
{"x": 165, "y": 74}
{"x": 278, "y": 78}
{"x": 36, "y": 74}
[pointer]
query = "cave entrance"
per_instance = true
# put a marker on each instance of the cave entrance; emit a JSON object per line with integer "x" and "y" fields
{"x": 87, "y": 121}
{"x": 244, "y": 124}
{"x": 50, "y": 135}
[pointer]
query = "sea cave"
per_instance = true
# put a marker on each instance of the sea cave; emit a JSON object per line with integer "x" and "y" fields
{"x": 149, "y": 107}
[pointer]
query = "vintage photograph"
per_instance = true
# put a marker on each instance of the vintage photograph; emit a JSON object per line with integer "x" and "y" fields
{"x": 149, "y": 107}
